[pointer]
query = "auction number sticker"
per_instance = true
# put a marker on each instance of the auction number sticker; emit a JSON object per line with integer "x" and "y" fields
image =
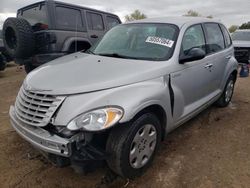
{"x": 160, "y": 41}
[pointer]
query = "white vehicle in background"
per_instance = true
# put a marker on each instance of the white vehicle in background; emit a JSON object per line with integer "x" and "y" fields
{"x": 241, "y": 42}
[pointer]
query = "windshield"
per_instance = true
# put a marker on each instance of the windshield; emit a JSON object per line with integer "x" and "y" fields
{"x": 138, "y": 41}
{"x": 241, "y": 35}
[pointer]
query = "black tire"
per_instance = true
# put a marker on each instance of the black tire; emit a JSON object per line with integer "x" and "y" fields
{"x": 18, "y": 38}
{"x": 223, "y": 101}
{"x": 119, "y": 146}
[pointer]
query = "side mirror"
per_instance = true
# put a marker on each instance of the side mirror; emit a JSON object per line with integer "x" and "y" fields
{"x": 193, "y": 55}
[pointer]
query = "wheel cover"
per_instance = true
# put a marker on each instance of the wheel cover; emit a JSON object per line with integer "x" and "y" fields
{"x": 229, "y": 91}
{"x": 143, "y": 146}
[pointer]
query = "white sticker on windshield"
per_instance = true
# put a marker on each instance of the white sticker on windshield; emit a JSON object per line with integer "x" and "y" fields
{"x": 160, "y": 41}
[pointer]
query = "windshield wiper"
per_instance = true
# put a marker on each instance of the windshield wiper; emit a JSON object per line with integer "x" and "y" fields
{"x": 89, "y": 51}
{"x": 114, "y": 55}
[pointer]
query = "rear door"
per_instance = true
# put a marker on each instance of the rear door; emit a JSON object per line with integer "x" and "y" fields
{"x": 218, "y": 54}
{"x": 95, "y": 25}
{"x": 69, "y": 25}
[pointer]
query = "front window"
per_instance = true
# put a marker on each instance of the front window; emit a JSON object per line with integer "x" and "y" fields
{"x": 138, "y": 41}
{"x": 241, "y": 35}
{"x": 193, "y": 38}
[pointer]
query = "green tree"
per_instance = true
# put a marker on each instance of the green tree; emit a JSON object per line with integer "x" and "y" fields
{"x": 136, "y": 15}
{"x": 192, "y": 13}
{"x": 233, "y": 28}
{"x": 210, "y": 16}
{"x": 245, "y": 26}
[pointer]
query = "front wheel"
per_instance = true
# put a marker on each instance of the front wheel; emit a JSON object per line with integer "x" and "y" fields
{"x": 227, "y": 94}
{"x": 132, "y": 146}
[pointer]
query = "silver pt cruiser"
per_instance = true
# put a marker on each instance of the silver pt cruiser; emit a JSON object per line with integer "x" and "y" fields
{"x": 119, "y": 100}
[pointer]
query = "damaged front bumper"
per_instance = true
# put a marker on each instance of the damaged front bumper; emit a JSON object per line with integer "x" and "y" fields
{"x": 41, "y": 138}
{"x": 62, "y": 151}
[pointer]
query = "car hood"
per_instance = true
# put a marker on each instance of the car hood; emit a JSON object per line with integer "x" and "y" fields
{"x": 239, "y": 43}
{"x": 80, "y": 73}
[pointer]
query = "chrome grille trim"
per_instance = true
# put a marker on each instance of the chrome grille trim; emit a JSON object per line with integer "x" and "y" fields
{"x": 35, "y": 108}
{"x": 29, "y": 100}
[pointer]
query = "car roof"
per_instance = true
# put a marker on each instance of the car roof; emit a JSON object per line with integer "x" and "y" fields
{"x": 179, "y": 21}
{"x": 69, "y": 4}
{"x": 242, "y": 30}
{"x": 83, "y": 7}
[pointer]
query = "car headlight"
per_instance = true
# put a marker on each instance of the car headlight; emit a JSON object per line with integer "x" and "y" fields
{"x": 96, "y": 120}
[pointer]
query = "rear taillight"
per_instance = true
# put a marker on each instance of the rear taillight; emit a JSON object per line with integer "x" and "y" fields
{"x": 44, "y": 26}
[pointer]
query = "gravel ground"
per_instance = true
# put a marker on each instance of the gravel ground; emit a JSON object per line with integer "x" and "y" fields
{"x": 211, "y": 150}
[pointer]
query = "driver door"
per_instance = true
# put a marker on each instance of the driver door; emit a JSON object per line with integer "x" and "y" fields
{"x": 192, "y": 84}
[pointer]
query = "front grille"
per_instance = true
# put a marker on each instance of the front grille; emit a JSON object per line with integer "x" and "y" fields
{"x": 36, "y": 109}
{"x": 242, "y": 54}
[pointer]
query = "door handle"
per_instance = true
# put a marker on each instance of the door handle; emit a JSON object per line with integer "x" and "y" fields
{"x": 208, "y": 66}
{"x": 94, "y": 36}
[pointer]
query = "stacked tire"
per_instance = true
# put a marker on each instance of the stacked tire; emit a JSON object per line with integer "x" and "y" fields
{"x": 18, "y": 38}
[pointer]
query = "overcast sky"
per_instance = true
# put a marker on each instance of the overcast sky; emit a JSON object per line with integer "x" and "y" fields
{"x": 228, "y": 11}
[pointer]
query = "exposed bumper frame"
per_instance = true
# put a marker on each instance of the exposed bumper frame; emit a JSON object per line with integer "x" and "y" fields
{"x": 41, "y": 138}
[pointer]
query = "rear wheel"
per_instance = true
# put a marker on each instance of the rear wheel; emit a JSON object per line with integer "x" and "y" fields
{"x": 227, "y": 94}
{"x": 132, "y": 146}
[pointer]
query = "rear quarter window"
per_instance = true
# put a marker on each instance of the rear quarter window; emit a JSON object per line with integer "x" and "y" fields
{"x": 112, "y": 21}
{"x": 228, "y": 40}
{"x": 215, "y": 39}
{"x": 35, "y": 15}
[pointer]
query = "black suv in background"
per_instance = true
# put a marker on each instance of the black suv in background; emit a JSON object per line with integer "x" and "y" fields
{"x": 49, "y": 29}
{"x": 4, "y": 56}
{"x": 2, "y": 61}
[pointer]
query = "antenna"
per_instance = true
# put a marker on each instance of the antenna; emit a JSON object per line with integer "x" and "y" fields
{"x": 76, "y": 33}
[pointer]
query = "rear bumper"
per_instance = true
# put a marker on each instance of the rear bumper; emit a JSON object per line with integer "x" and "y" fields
{"x": 40, "y": 138}
{"x": 40, "y": 59}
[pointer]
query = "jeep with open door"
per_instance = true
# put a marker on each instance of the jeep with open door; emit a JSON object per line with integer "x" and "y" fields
{"x": 47, "y": 30}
